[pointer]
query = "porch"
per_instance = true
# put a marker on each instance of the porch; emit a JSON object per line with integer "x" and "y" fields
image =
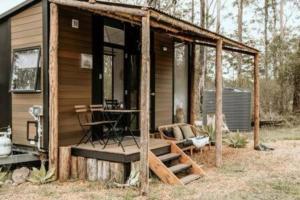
{"x": 114, "y": 153}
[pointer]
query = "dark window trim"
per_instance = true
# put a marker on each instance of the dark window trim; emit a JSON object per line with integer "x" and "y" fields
{"x": 45, "y": 18}
{"x": 38, "y": 74}
{"x": 152, "y": 81}
{"x": 113, "y": 45}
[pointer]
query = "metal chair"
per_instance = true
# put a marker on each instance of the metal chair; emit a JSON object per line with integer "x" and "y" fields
{"x": 85, "y": 119}
{"x": 111, "y": 126}
{"x": 112, "y": 103}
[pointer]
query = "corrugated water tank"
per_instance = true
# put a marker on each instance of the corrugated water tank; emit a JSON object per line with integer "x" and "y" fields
{"x": 236, "y": 107}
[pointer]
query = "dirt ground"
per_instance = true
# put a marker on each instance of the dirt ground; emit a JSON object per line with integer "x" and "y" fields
{"x": 245, "y": 174}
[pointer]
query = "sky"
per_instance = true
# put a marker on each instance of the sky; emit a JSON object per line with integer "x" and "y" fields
{"x": 8, "y": 4}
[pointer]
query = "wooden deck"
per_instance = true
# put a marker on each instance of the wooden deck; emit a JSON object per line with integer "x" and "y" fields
{"x": 114, "y": 153}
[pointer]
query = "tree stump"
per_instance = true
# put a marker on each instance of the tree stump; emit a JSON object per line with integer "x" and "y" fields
{"x": 64, "y": 163}
{"x": 103, "y": 170}
{"x": 92, "y": 169}
{"x": 117, "y": 172}
{"x": 81, "y": 164}
{"x": 74, "y": 167}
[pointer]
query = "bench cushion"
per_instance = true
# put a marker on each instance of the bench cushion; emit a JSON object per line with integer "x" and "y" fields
{"x": 177, "y": 133}
{"x": 187, "y": 131}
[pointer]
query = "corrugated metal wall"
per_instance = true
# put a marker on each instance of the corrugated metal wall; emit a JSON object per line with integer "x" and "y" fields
{"x": 236, "y": 107}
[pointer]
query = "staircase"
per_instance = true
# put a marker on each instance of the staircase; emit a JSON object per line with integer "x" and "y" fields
{"x": 175, "y": 167}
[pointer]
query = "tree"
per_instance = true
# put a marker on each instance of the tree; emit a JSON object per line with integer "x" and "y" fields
{"x": 202, "y": 50}
{"x": 218, "y": 16}
{"x": 193, "y": 11}
{"x": 296, "y": 99}
{"x": 266, "y": 8}
{"x": 240, "y": 34}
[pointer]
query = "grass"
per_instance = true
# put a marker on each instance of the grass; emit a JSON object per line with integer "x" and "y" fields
{"x": 273, "y": 134}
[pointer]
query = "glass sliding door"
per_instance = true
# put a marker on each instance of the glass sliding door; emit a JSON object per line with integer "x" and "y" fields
{"x": 107, "y": 73}
{"x": 181, "y": 82}
{"x": 113, "y": 73}
{"x": 113, "y": 61}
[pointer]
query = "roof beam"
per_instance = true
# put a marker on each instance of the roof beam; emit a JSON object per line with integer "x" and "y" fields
{"x": 189, "y": 27}
{"x": 100, "y": 7}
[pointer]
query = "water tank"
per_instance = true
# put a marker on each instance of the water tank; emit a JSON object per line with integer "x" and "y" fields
{"x": 236, "y": 107}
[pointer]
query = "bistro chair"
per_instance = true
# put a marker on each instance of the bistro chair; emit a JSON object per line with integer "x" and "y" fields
{"x": 112, "y": 104}
{"x": 86, "y": 122}
{"x": 110, "y": 130}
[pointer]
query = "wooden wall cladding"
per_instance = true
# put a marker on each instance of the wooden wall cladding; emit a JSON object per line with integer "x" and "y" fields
{"x": 163, "y": 79}
{"x": 74, "y": 82}
{"x": 26, "y": 31}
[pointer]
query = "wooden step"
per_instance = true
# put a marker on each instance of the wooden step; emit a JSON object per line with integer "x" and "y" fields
{"x": 180, "y": 167}
{"x": 169, "y": 156}
{"x": 189, "y": 178}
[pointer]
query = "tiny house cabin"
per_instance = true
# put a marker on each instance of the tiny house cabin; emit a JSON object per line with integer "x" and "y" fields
{"x": 87, "y": 52}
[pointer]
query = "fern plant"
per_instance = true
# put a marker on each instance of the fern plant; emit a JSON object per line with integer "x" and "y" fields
{"x": 210, "y": 131}
{"x": 41, "y": 176}
{"x": 3, "y": 175}
{"x": 236, "y": 140}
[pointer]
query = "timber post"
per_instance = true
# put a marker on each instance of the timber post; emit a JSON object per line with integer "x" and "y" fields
{"x": 219, "y": 118}
{"x": 53, "y": 93}
{"x": 256, "y": 100}
{"x": 194, "y": 93}
{"x": 144, "y": 105}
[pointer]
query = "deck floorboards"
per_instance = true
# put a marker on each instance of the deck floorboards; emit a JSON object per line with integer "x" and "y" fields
{"x": 113, "y": 152}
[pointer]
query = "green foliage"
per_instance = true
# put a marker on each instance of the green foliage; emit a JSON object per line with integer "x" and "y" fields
{"x": 3, "y": 175}
{"x": 41, "y": 176}
{"x": 210, "y": 131}
{"x": 236, "y": 140}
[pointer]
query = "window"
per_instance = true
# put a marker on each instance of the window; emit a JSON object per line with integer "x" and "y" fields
{"x": 181, "y": 79}
{"x": 114, "y": 74}
{"x": 25, "y": 70}
{"x": 114, "y": 35}
{"x": 108, "y": 71}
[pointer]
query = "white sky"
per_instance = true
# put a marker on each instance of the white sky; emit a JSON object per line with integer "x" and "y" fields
{"x": 8, "y": 4}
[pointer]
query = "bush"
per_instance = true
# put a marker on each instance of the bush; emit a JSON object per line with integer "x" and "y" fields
{"x": 210, "y": 131}
{"x": 41, "y": 176}
{"x": 236, "y": 140}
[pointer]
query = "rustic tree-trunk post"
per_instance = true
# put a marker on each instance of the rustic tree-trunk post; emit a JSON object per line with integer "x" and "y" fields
{"x": 202, "y": 54}
{"x": 219, "y": 118}
{"x": 195, "y": 91}
{"x": 53, "y": 81}
{"x": 91, "y": 169}
{"x": 64, "y": 163}
{"x": 144, "y": 105}
{"x": 74, "y": 167}
{"x": 256, "y": 100}
{"x": 81, "y": 165}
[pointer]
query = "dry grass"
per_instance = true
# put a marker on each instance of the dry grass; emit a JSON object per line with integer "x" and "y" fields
{"x": 245, "y": 174}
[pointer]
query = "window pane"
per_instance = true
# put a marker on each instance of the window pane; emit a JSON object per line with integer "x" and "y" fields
{"x": 25, "y": 66}
{"x": 118, "y": 74}
{"x": 108, "y": 63}
{"x": 181, "y": 79}
{"x": 113, "y": 35}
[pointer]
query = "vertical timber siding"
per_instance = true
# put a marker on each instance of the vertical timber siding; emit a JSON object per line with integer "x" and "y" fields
{"x": 74, "y": 83}
{"x": 26, "y": 31}
{"x": 163, "y": 79}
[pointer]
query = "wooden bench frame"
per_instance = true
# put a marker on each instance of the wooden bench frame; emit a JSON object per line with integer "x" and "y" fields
{"x": 195, "y": 130}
